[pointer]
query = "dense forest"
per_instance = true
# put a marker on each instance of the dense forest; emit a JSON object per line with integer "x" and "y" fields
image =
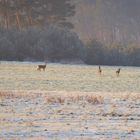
{"x": 22, "y": 14}
{"x": 101, "y": 32}
{"x": 108, "y": 20}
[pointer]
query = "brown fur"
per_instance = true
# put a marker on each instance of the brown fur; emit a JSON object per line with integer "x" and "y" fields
{"x": 43, "y": 67}
{"x": 118, "y": 72}
{"x": 99, "y": 70}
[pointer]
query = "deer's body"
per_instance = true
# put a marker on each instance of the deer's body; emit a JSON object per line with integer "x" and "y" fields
{"x": 99, "y": 70}
{"x": 118, "y": 72}
{"x": 43, "y": 67}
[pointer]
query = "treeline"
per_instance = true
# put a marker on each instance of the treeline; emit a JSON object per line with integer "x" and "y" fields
{"x": 51, "y": 43}
{"x": 115, "y": 54}
{"x": 55, "y": 44}
{"x": 108, "y": 20}
{"x": 22, "y": 14}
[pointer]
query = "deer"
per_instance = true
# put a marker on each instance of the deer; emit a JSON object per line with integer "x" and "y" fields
{"x": 99, "y": 70}
{"x": 118, "y": 72}
{"x": 43, "y": 67}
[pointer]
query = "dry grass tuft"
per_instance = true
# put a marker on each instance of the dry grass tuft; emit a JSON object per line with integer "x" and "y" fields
{"x": 94, "y": 99}
{"x": 55, "y": 100}
{"x": 130, "y": 130}
{"x": 6, "y": 94}
{"x": 12, "y": 95}
{"x": 75, "y": 99}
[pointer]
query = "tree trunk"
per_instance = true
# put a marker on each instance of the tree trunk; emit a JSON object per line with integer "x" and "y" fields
{"x": 18, "y": 21}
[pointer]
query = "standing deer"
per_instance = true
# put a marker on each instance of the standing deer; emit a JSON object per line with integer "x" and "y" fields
{"x": 118, "y": 72}
{"x": 43, "y": 67}
{"x": 99, "y": 70}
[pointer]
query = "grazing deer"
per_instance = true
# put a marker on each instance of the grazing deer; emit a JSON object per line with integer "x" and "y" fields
{"x": 118, "y": 72}
{"x": 43, "y": 67}
{"x": 99, "y": 70}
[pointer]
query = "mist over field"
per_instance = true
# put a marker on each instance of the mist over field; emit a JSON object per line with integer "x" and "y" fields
{"x": 96, "y": 32}
{"x": 69, "y": 69}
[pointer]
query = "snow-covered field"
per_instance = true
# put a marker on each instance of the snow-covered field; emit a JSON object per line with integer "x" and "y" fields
{"x": 59, "y": 77}
{"x": 69, "y": 115}
{"x": 69, "y": 102}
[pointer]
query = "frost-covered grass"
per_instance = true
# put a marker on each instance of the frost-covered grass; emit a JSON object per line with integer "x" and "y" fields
{"x": 69, "y": 102}
{"x": 60, "y": 77}
{"x": 69, "y": 115}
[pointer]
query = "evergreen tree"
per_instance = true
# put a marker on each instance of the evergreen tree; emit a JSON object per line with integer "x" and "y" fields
{"x": 25, "y": 13}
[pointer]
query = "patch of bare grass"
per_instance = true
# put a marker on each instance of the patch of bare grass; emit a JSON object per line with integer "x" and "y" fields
{"x": 11, "y": 95}
{"x": 129, "y": 97}
{"x": 91, "y": 99}
{"x": 6, "y": 94}
{"x": 53, "y": 99}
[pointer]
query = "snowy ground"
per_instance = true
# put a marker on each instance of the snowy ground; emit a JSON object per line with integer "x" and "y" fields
{"x": 69, "y": 102}
{"x": 69, "y": 115}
